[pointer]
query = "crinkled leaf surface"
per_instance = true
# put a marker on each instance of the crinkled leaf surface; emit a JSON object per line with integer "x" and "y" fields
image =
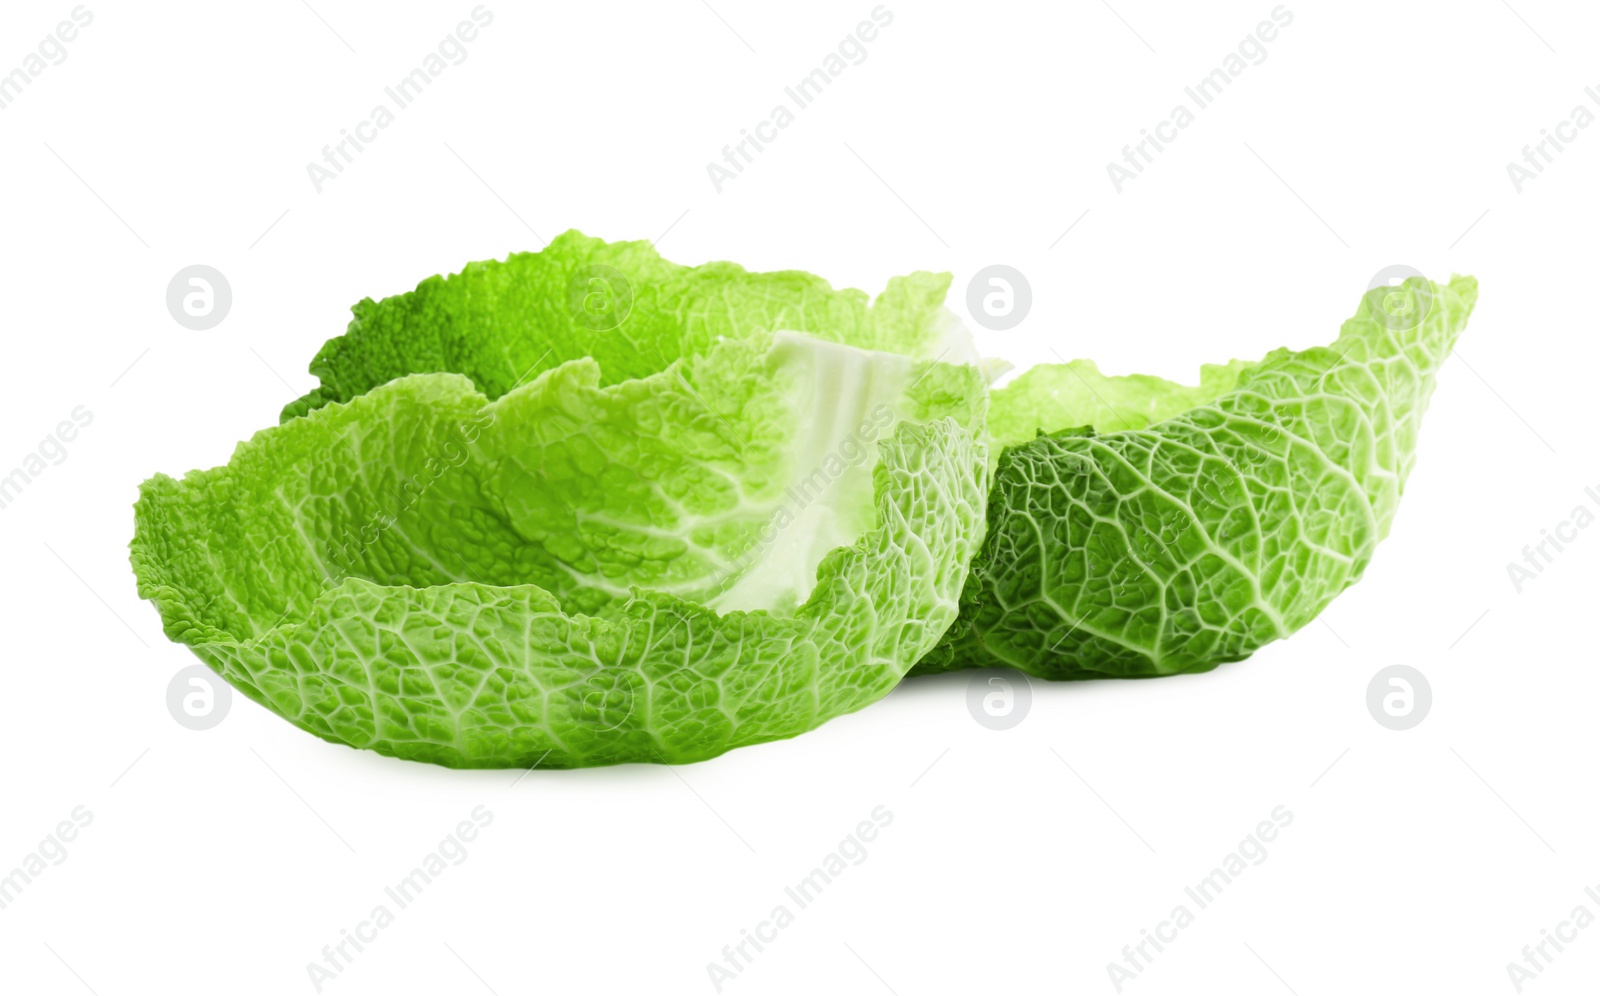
{"x": 532, "y": 557}
{"x": 501, "y": 323}
{"x": 1138, "y": 527}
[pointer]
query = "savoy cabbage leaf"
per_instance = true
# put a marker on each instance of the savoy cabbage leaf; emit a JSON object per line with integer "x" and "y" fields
{"x": 1139, "y": 527}
{"x": 586, "y": 506}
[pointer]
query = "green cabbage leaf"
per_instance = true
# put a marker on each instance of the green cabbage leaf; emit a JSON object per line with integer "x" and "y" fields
{"x": 1139, "y": 527}
{"x": 586, "y": 506}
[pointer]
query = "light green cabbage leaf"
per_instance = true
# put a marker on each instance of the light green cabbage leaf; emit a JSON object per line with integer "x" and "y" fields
{"x": 586, "y": 506}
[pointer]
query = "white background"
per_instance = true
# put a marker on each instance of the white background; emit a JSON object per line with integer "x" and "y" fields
{"x": 1018, "y": 861}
